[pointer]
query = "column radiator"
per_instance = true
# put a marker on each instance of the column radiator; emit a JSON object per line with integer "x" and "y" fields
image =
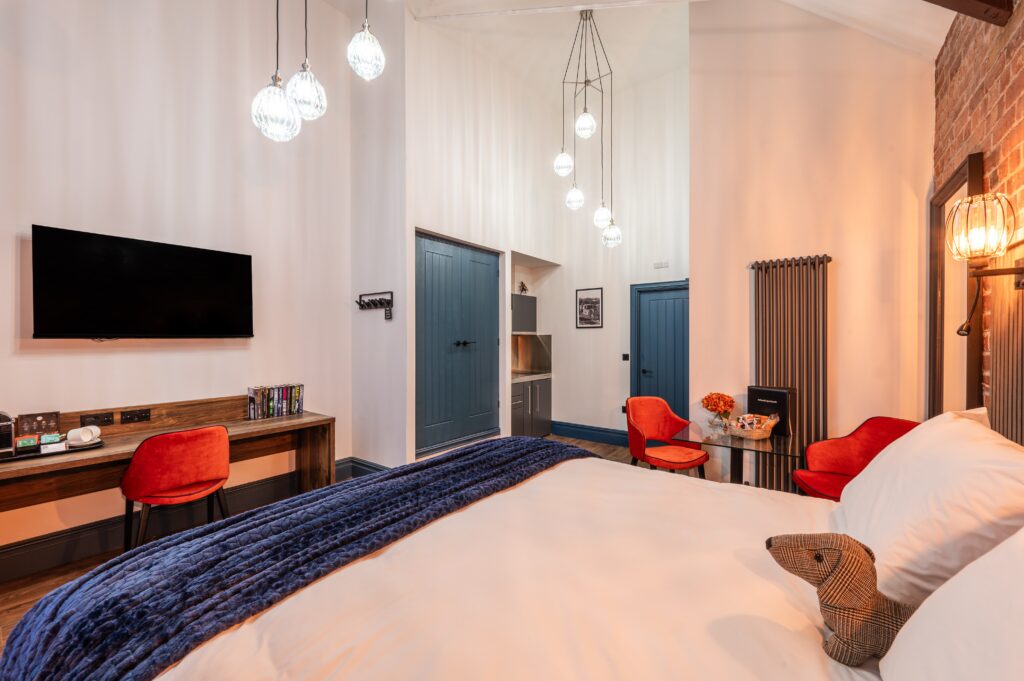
{"x": 790, "y": 300}
{"x": 1003, "y": 372}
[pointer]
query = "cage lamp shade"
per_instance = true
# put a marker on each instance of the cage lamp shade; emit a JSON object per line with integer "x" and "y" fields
{"x": 979, "y": 227}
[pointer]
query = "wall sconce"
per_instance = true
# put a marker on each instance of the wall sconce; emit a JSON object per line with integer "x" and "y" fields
{"x": 978, "y": 229}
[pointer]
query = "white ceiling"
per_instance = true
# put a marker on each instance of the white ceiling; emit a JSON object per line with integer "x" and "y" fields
{"x": 642, "y": 42}
{"x": 915, "y": 25}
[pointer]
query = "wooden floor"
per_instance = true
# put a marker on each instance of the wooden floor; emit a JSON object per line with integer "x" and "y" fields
{"x": 610, "y": 452}
{"x": 17, "y": 597}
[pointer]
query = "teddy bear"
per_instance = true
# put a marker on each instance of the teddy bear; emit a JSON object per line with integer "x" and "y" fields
{"x": 864, "y": 621}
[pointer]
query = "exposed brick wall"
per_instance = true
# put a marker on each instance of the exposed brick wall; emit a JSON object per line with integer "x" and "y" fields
{"x": 979, "y": 101}
{"x": 979, "y": 106}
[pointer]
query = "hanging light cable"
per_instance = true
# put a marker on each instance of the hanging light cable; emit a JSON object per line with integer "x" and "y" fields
{"x": 602, "y": 216}
{"x": 365, "y": 55}
{"x": 303, "y": 88}
{"x": 272, "y": 111}
{"x": 611, "y": 235}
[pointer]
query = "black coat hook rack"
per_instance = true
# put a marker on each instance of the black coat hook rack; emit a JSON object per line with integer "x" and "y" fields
{"x": 382, "y": 300}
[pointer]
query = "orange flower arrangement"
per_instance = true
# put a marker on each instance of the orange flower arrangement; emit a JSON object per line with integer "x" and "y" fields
{"x": 718, "y": 403}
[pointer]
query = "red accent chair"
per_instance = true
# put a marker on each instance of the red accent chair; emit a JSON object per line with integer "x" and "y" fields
{"x": 172, "y": 469}
{"x": 650, "y": 418}
{"x": 832, "y": 464}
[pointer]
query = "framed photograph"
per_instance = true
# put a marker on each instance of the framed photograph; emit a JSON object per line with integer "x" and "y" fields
{"x": 589, "y": 308}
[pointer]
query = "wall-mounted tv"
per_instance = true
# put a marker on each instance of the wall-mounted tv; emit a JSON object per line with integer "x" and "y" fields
{"x": 94, "y": 286}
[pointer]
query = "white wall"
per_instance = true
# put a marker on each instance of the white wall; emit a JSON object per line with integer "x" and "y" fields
{"x": 484, "y": 129}
{"x": 652, "y": 207}
{"x": 809, "y": 137}
{"x": 381, "y": 255}
{"x": 131, "y": 117}
{"x": 479, "y": 146}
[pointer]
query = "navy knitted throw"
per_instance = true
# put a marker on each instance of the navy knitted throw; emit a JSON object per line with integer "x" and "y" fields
{"x": 136, "y": 615}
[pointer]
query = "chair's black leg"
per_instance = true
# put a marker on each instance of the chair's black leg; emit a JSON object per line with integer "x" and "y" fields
{"x": 222, "y": 501}
{"x": 701, "y": 473}
{"x": 143, "y": 525}
{"x": 209, "y": 509}
{"x": 634, "y": 462}
{"x": 129, "y": 517}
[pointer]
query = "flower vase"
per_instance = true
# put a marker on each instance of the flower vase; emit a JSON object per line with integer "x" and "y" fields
{"x": 718, "y": 424}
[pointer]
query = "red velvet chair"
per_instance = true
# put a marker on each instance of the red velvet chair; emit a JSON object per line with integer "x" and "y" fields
{"x": 172, "y": 469}
{"x": 832, "y": 464}
{"x": 650, "y": 418}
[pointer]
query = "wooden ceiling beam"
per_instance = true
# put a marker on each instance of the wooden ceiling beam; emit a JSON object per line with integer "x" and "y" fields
{"x": 996, "y": 12}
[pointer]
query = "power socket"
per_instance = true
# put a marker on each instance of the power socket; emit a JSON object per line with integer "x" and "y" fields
{"x": 105, "y": 418}
{"x": 135, "y": 416}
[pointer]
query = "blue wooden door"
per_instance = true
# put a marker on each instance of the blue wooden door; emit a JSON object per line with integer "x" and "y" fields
{"x": 661, "y": 344}
{"x": 478, "y": 359}
{"x": 456, "y": 343}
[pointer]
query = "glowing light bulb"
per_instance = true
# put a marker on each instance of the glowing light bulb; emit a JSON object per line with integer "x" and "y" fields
{"x": 307, "y": 94}
{"x": 274, "y": 113}
{"x": 602, "y": 217}
{"x": 563, "y": 164}
{"x": 365, "y": 55}
{"x": 586, "y": 125}
{"x": 612, "y": 235}
{"x": 574, "y": 199}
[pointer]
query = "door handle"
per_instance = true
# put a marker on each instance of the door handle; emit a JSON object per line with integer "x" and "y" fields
{"x": 458, "y": 344}
{"x": 645, "y": 372}
{"x": 469, "y": 342}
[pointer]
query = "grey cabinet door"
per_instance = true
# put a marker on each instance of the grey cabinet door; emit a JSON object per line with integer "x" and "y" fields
{"x": 540, "y": 407}
{"x": 519, "y": 409}
{"x": 524, "y": 314}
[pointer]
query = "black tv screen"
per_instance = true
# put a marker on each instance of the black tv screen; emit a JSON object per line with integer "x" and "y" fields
{"x": 95, "y": 286}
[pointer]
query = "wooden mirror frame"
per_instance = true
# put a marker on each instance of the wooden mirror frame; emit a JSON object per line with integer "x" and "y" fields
{"x": 972, "y": 173}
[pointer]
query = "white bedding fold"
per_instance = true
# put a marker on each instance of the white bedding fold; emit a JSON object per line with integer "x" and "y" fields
{"x": 591, "y": 570}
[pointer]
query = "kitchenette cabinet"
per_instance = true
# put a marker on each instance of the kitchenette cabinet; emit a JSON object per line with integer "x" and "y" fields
{"x": 531, "y": 406}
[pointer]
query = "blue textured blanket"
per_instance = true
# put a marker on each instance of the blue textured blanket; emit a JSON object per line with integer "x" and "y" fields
{"x": 138, "y": 614}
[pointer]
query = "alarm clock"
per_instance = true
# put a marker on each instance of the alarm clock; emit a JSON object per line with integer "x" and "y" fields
{"x": 6, "y": 436}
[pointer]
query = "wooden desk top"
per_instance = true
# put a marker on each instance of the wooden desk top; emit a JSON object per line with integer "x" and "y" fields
{"x": 120, "y": 447}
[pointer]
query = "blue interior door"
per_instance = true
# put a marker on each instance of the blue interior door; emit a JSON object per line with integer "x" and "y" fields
{"x": 437, "y": 330}
{"x": 478, "y": 357}
{"x": 661, "y": 339}
{"x": 456, "y": 343}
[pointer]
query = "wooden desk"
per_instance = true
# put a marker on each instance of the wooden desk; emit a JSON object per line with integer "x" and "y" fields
{"x": 49, "y": 478}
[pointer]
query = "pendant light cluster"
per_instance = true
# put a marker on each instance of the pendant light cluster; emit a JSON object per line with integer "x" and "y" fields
{"x": 592, "y": 84}
{"x": 278, "y": 111}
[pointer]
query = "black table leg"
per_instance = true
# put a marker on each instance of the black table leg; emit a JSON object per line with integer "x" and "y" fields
{"x": 736, "y": 466}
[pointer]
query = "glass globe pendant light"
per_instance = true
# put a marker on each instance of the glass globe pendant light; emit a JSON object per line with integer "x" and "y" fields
{"x": 365, "y": 55}
{"x": 602, "y": 217}
{"x": 272, "y": 112}
{"x": 305, "y": 91}
{"x": 574, "y": 199}
{"x": 612, "y": 235}
{"x": 563, "y": 164}
{"x": 586, "y": 125}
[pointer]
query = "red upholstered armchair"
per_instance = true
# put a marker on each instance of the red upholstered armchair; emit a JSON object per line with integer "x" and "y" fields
{"x": 832, "y": 464}
{"x": 650, "y": 418}
{"x": 176, "y": 468}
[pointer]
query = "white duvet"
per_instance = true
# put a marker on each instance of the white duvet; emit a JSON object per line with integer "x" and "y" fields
{"x": 591, "y": 570}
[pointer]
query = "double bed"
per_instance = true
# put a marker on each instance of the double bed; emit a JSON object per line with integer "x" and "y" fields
{"x": 589, "y": 570}
{"x": 528, "y": 559}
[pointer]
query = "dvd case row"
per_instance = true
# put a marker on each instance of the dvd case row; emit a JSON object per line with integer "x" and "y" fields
{"x": 276, "y": 400}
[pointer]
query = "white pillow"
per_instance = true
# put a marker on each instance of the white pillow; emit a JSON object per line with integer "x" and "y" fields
{"x": 970, "y": 628}
{"x": 933, "y": 501}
